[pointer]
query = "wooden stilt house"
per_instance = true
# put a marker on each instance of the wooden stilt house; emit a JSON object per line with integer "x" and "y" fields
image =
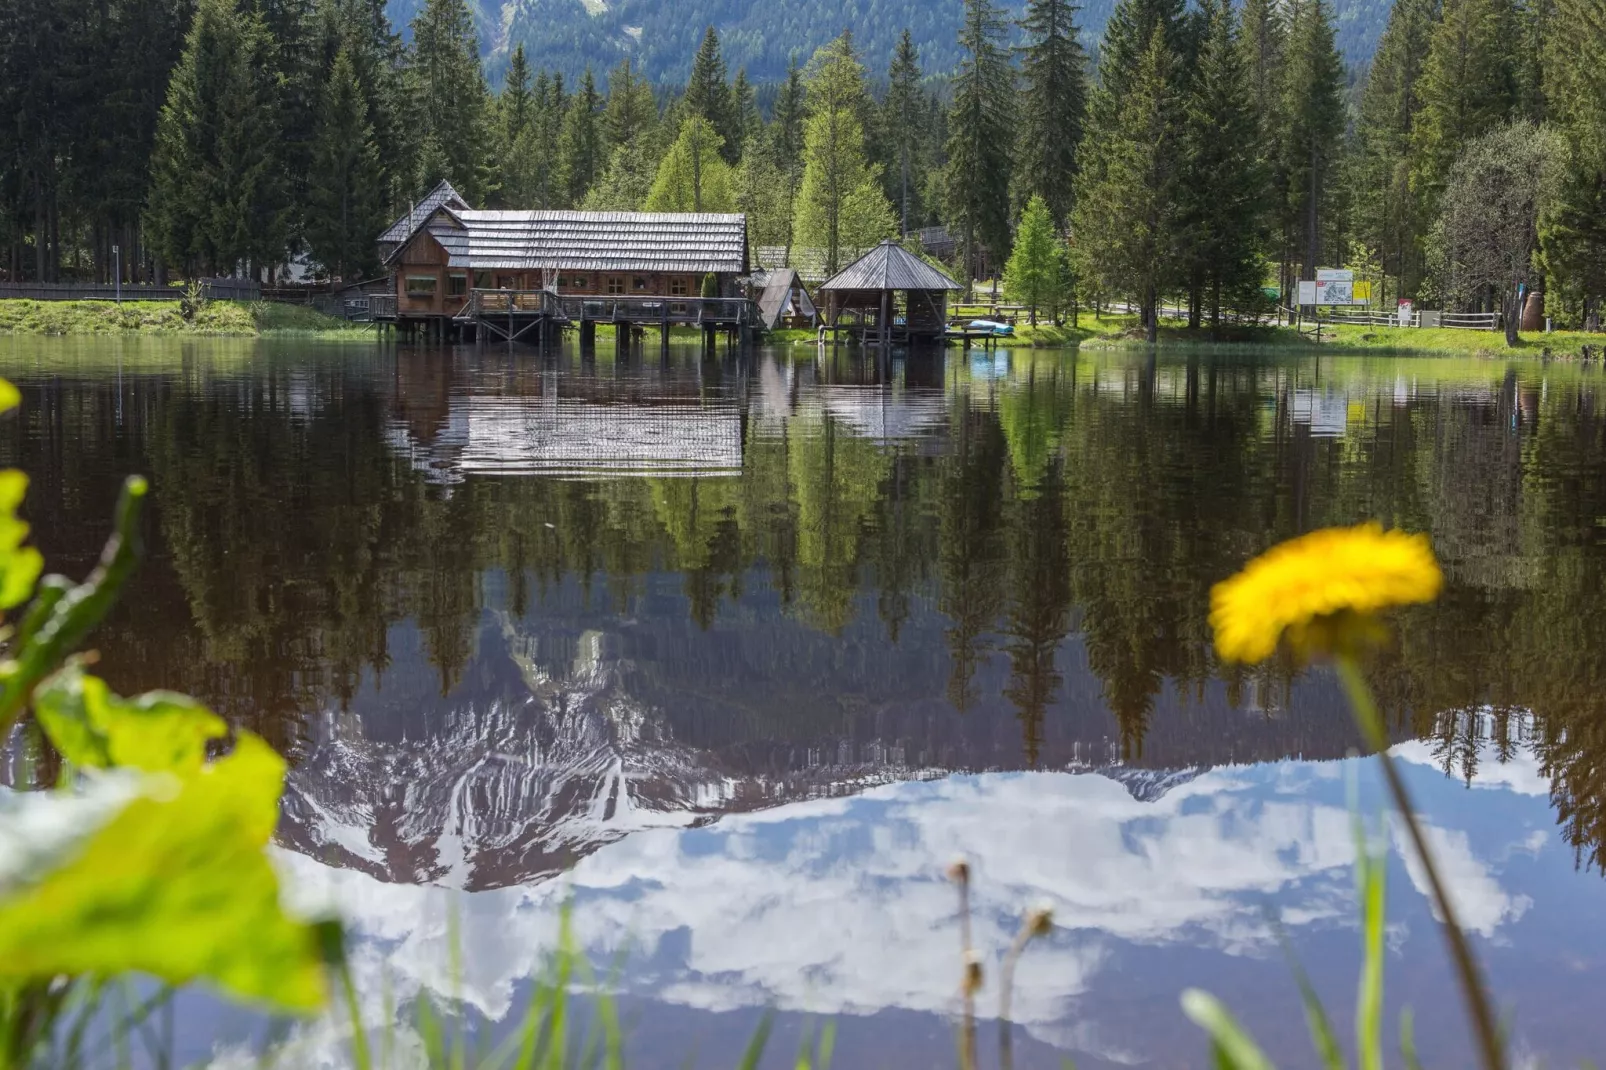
{"x": 888, "y": 295}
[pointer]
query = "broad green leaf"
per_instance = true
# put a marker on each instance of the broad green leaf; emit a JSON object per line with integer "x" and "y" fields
{"x": 176, "y": 884}
{"x": 19, "y": 565}
{"x": 1233, "y": 1048}
{"x": 10, "y": 396}
{"x": 159, "y": 732}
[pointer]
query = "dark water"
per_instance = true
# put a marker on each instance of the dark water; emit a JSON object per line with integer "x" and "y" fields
{"x": 736, "y": 655}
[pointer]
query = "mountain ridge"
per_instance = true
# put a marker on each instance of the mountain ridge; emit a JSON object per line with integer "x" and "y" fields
{"x": 569, "y": 35}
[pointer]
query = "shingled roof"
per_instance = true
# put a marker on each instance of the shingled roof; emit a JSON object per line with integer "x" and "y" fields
{"x": 889, "y": 266}
{"x": 442, "y": 196}
{"x": 592, "y": 241}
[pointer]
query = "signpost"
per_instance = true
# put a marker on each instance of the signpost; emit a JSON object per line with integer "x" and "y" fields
{"x": 1335, "y": 286}
{"x": 1406, "y": 311}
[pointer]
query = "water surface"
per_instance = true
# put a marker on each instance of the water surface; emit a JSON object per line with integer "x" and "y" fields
{"x": 736, "y": 653}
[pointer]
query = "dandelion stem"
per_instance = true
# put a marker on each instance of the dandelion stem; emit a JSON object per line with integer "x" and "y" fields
{"x": 1370, "y": 723}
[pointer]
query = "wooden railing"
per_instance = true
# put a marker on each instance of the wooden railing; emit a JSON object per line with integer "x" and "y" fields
{"x": 680, "y": 311}
{"x": 524, "y": 302}
{"x": 381, "y": 306}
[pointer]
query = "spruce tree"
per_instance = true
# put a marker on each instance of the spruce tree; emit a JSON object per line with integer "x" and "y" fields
{"x": 630, "y": 109}
{"x": 980, "y": 136}
{"x": 1263, "y": 34}
{"x": 516, "y": 103}
{"x": 580, "y": 152}
{"x": 1312, "y": 129}
{"x": 217, "y": 199}
{"x": 694, "y": 176}
{"x": 904, "y": 120}
{"x": 747, "y": 123}
{"x": 1384, "y": 213}
{"x": 1127, "y": 36}
{"x": 1468, "y": 87}
{"x": 840, "y": 208}
{"x": 1053, "y": 105}
{"x": 1225, "y": 201}
{"x": 708, "y": 93}
{"x": 450, "y": 99}
{"x": 345, "y": 209}
{"x": 1125, "y": 219}
{"x": 1573, "y": 223}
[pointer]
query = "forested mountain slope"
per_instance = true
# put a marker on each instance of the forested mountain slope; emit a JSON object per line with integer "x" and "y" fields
{"x": 762, "y": 35}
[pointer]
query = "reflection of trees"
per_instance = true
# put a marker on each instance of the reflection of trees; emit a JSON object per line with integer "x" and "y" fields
{"x": 1103, "y": 494}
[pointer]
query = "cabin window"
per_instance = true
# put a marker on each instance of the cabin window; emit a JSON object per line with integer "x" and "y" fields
{"x": 678, "y": 286}
{"x": 578, "y": 282}
{"x": 638, "y": 284}
{"x": 456, "y": 285}
{"x": 421, "y": 285}
{"x": 616, "y": 285}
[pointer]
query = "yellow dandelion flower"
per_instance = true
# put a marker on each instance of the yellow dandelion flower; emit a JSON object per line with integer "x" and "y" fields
{"x": 1315, "y": 577}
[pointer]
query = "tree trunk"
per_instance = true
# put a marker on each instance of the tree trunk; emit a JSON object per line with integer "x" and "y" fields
{"x": 1513, "y": 316}
{"x": 1151, "y": 314}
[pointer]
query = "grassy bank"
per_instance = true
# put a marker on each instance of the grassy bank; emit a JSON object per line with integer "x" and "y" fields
{"x": 1119, "y": 331}
{"x": 218, "y": 318}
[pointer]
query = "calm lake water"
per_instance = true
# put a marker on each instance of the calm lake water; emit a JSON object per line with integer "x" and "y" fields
{"x": 736, "y": 654}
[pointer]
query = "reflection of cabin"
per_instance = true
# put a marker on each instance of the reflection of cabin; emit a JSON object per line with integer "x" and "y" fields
{"x": 463, "y": 272}
{"x": 888, "y": 295}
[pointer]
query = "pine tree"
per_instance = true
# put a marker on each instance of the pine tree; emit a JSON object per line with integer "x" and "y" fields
{"x": 1032, "y": 275}
{"x": 217, "y": 197}
{"x": 785, "y": 140}
{"x": 1226, "y": 199}
{"x": 516, "y": 103}
{"x": 904, "y": 120}
{"x": 748, "y": 124}
{"x": 580, "y": 154}
{"x": 1127, "y": 37}
{"x": 1313, "y": 126}
{"x": 450, "y": 100}
{"x": 1262, "y": 37}
{"x": 1053, "y": 105}
{"x": 1384, "y": 215}
{"x": 1126, "y": 206}
{"x": 694, "y": 176}
{"x": 630, "y": 110}
{"x": 708, "y": 93}
{"x": 840, "y": 208}
{"x": 1468, "y": 87}
{"x": 1573, "y": 223}
{"x": 980, "y": 136}
{"x": 345, "y": 209}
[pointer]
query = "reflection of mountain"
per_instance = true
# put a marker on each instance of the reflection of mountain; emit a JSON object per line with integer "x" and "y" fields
{"x": 562, "y": 737}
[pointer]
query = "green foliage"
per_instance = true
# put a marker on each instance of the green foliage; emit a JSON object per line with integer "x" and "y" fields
{"x": 1032, "y": 276}
{"x": 841, "y": 209}
{"x": 172, "y": 881}
{"x": 693, "y": 177}
{"x": 1312, "y": 128}
{"x": 904, "y": 123}
{"x": 158, "y": 732}
{"x": 708, "y": 96}
{"x": 580, "y": 148}
{"x": 20, "y": 565}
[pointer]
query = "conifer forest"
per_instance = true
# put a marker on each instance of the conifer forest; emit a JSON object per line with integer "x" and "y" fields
{"x": 1201, "y": 157}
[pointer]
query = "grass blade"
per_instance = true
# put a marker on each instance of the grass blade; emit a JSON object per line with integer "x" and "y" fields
{"x": 1233, "y": 1048}
{"x": 1369, "y": 871}
{"x": 755, "y": 1046}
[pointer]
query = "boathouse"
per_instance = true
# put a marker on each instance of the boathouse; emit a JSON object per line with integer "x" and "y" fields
{"x": 516, "y": 275}
{"x": 888, "y": 295}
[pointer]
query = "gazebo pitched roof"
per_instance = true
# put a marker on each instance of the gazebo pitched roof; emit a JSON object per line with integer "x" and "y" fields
{"x": 889, "y": 266}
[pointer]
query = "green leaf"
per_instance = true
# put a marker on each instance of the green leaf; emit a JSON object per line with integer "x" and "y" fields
{"x": 19, "y": 565}
{"x": 1233, "y": 1048}
{"x": 174, "y": 883}
{"x": 10, "y": 396}
{"x": 159, "y": 732}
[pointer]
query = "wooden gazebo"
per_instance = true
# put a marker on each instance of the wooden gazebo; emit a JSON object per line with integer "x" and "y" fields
{"x": 888, "y": 295}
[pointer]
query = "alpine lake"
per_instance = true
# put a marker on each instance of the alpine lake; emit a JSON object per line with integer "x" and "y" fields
{"x": 727, "y": 656}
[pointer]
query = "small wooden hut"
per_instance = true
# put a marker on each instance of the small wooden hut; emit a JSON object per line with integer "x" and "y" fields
{"x": 888, "y": 295}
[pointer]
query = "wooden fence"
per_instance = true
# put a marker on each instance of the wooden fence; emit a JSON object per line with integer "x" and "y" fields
{"x": 212, "y": 289}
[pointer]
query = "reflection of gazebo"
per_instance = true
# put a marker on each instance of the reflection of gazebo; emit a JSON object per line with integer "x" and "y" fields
{"x": 889, "y": 294}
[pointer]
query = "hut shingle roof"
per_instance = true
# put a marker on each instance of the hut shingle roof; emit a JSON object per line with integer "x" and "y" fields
{"x": 593, "y": 241}
{"x": 889, "y": 266}
{"x": 442, "y": 196}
